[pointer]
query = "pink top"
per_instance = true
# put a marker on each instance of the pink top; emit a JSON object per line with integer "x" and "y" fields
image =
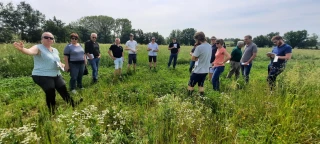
{"x": 219, "y": 57}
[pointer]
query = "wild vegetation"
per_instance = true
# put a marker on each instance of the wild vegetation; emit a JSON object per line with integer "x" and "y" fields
{"x": 151, "y": 106}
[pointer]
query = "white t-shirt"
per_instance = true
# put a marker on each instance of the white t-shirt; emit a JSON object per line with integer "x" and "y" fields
{"x": 132, "y": 45}
{"x": 152, "y": 47}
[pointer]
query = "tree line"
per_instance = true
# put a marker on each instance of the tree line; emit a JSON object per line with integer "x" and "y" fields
{"x": 25, "y": 23}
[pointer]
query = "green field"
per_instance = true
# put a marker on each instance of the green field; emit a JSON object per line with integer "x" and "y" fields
{"x": 152, "y": 107}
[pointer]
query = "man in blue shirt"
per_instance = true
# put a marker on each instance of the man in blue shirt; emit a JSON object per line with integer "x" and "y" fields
{"x": 279, "y": 56}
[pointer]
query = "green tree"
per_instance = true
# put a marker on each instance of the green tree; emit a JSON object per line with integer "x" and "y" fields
{"x": 269, "y": 37}
{"x": 122, "y": 29}
{"x": 235, "y": 41}
{"x": 176, "y": 34}
{"x": 294, "y": 38}
{"x": 102, "y": 25}
{"x": 187, "y": 36}
{"x": 58, "y": 29}
{"x": 261, "y": 41}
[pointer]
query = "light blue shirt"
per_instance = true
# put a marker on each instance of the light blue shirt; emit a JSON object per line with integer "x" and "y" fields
{"x": 45, "y": 62}
{"x": 153, "y": 46}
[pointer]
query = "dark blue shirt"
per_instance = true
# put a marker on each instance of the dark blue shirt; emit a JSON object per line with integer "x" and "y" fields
{"x": 281, "y": 51}
{"x": 214, "y": 50}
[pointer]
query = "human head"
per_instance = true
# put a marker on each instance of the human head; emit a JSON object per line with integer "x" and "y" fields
{"x": 153, "y": 39}
{"x": 74, "y": 38}
{"x": 174, "y": 40}
{"x": 94, "y": 37}
{"x": 199, "y": 37}
{"x": 117, "y": 41}
{"x": 213, "y": 40}
{"x": 47, "y": 38}
{"x": 131, "y": 36}
{"x": 240, "y": 44}
{"x": 219, "y": 43}
{"x": 277, "y": 40}
{"x": 247, "y": 39}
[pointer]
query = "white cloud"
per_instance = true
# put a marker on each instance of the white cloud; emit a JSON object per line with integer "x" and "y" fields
{"x": 229, "y": 18}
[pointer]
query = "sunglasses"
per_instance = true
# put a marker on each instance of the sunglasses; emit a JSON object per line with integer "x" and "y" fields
{"x": 74, "y": 38}
{"x": 47, "y": 37}
{"x": 153, "y": 39}
{"x": 94, "y": 37}
{"x": 217, "y": 43}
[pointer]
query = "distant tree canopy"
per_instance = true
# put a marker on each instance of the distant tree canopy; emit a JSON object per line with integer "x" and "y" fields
{"x": 22, "y": 22}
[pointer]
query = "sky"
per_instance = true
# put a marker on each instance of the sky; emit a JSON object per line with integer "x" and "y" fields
{"x": 223, "y": 18}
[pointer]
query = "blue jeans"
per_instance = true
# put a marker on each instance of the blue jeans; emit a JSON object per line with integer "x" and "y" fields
{"x": 95, "y": 67}
{"x": 174, "y": 57}
{"x": 217, "y": 71}
{"x": 191, "y": 65}
{"x": 245, "y": 70}
{"x": 76, "y": 73}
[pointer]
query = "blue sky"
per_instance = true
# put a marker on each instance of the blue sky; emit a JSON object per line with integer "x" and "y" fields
{"x": 223, "y": 19}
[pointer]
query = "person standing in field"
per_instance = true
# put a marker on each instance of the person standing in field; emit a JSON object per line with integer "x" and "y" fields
{"x": 75, "y": 60}
{"x": 236, "y": 55}
{"x": 174, "y": 47}
{"x": 249, "y": 53}
{"x": 281, "y": 53}
{"x": 92, "y": 50}
{"x": 131, "y": 46}
{"x": 214, "y": 50}
{"x": 116, "y": 53}
{"x": 202, "y": 54}
{"x": 46, "y": 71}
{"x": 153, "y": 49}
{"x": 221, "y": 57}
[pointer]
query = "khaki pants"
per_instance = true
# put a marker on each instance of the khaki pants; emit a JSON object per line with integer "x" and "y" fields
{"x": 234, "y": 68}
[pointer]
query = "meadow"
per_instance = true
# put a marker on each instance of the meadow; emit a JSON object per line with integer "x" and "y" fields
{"x": 151, "y": 106}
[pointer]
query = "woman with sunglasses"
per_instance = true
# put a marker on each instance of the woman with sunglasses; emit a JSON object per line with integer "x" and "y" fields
{"x": 46, "y": 71}
{"x": 221, "y": 57}
{"x": 75, "y": 60}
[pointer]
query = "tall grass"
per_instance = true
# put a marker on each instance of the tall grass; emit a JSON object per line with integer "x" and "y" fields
{"x": 152, "y": 107}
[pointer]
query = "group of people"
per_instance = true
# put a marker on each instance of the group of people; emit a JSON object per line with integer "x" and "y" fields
{"x": 206, "y": 59}
{"x": 212, "y": 58}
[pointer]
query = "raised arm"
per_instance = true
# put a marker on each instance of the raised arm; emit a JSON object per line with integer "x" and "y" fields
{"x": 31, "y": 51}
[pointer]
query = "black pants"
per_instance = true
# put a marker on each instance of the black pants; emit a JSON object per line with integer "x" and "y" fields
{"x": 49, "y": 85}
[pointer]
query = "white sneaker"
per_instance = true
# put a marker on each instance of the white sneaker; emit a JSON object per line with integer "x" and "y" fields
{"x": 74, "y": 91}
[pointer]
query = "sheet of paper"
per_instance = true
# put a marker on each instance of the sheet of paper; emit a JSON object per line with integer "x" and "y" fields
{"x": 196, "y": 63}
{"x": 175, "y": 45}
{"x": 58, "y": 64}
{"x": 228, "y": 61}
{"x": 275, "y": 59}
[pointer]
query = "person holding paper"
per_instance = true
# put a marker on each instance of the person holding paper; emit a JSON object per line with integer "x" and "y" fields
{"x": 75, "y": 60}
{"x": 202, "y": 54}
{"x": 249, "y": 53}
{"x": 46, "y": 71}
{"x": 117, "y": 56}
{"x": 236, "y": 55}
{"x": 92, "y": 50}
{"x": 278, "y": 59}
{"x": 131, "y": 46}
{"x": 221, "y": 57}
{"x": 153, "y": 49}
{"x": 174, "y": 47}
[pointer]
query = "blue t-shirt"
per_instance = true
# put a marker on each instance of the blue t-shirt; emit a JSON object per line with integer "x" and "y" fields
{"x": 75, "y": 53}
{"x": 281, "y": 51}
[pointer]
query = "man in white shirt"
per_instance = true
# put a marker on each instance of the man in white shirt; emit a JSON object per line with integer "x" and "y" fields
{"x": 131, "y": 46}
{"x": 152, "y": 52}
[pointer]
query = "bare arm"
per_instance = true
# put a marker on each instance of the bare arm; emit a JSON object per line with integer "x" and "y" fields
{"x": 252, "y": 57}
{"x": 109, "y": 52}
{"x": 193, "y": 58}
{"x": 286, "y": 57}
{"x": 31, "y": 51}
{"x": 66, "y": 60}
{"x": 227, "y": 56}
